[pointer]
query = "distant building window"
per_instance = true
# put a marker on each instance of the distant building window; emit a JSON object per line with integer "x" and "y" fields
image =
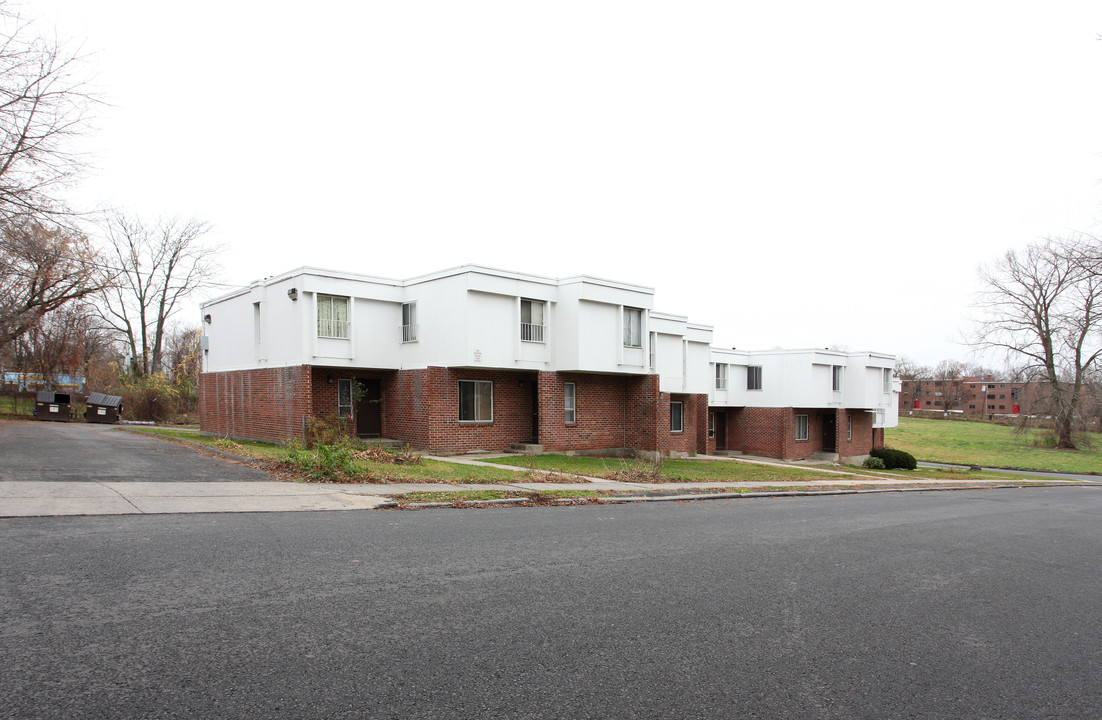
{"x": 753, "y": 377}
{"x": 836, "y": 378}
{"x": 801, "y": 427}
{"x": 990, "y": 407}
{"x": 1002, "y": 407}
{"x": 1015, "y": 393}
{"x": 409, "y": 322}
{"x": 721, "y": 376}
{"x": 887, "y": 380}
{"x": 677, "y": 417}
{"x": 476, "y": 401}
{"x": 531, "y": 320}
{"x": 633, "y": 327}
{"x": 569, "y": 402}
{"x": 344, "y": 398}
{"x": 332, "y": 316}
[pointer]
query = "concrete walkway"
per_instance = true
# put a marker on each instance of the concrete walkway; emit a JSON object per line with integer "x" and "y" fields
{"x": 168, "y": 478}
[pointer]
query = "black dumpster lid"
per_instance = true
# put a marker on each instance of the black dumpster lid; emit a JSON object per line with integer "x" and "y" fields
{"x": 98, "y": 398}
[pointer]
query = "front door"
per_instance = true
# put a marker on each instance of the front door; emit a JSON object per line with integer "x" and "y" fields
{"x": 829, "y": 444}
{"x": 721, "y": 431}
{"x": 369, "y": 409}
{"x": 535, "y": 435}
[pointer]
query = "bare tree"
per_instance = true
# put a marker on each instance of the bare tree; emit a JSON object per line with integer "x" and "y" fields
{"x": 914, "y": 377}
{"x": 158, "y": 268}
{"x": 66, "y": 342}
{"x": 41, "y": 269}
{"x": 1044, "y": 308}
{"x": 43, "y": 105}
{"x": 948, "y": 378}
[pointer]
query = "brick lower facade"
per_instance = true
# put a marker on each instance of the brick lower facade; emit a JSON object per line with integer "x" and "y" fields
{"x": 771, "y": 432}
{"x": 421, "y": 407}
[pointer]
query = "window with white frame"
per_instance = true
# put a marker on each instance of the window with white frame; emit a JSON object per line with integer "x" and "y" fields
{"x": 753, "y": 377}
{"x": 633, "y": 327}
{"x": 677, "y": 417}
{"x": 569, "y": 403}
{"x": 409, "y": 322}
{"x": 652, "y": 350}
{"x": 887, "y": 380}
{"x": 836, "y": 377}
{"x": 344, "y": 398}
{"x": 849, "y": 427}
{"x": 711, "y": 425}
{"x": 332, "y": 316}
{"x": 721, "y": 376}
{"x": 801, "y": 427}
{"x": 532, "y": 320}
{"x": 476, "y": 401}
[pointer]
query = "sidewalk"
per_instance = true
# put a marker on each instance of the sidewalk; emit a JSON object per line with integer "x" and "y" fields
{"x": 41, "y": 498}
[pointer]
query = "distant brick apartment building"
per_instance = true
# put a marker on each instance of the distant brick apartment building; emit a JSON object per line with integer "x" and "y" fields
{"x": 970, "y": 396}
{"x": 475, "y": 358}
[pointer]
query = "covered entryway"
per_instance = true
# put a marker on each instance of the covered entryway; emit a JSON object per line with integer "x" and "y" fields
{"x": 829, "y": 435}
{"x": 720, "y": 430}
{"x": 369, "y": 408}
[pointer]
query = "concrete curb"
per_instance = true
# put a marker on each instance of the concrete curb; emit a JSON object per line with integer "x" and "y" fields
{"x": 612, "y": 500}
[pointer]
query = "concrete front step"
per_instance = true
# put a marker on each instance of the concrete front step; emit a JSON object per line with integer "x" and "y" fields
{"x": 825, "y": 456}
{"x": 525, "y": 449}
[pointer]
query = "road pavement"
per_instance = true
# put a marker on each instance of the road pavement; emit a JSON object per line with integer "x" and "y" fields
{"x": 924, "y": 605}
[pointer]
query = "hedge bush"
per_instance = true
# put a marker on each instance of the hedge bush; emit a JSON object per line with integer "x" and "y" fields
{"x": 894, "y": 459}
{"x": 874, "y": 463}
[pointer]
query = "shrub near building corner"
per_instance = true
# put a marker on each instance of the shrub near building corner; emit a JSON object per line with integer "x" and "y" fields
{"x": 895, "y": 459}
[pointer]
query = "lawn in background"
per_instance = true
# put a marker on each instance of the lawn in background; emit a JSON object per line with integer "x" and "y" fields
{"x": 669, "y": 471}
{"x": 978, "y": 443}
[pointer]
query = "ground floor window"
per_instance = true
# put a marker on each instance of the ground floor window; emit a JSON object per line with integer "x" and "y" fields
{"x": 569, "y": 400}
{"x": 677, "y": 417}
{"x": 849, "y": 427}
{"x": 711, "y": 425}
{"x": 344, "y": 398}
{"x": 476, "y": 401}
{"x": 801, "y": 427}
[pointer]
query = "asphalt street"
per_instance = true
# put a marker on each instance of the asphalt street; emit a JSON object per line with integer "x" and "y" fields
{"x": 971, "y": 604}
{"x": 68, "y": 452}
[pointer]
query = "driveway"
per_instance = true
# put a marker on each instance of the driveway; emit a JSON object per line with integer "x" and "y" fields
{"x": 82, "y": 452}
{"x": 49, "y": 468}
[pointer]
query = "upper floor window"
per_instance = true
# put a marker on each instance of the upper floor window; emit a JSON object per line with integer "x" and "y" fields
{"x": 476, "y": 401}
{"x": 887, "y": 380}
{"x": 531, "y": 320}
{"x": 633, "y": 327}
{"x": 409, "y": 322}
{"x": 721, "y": 376}
{"x": 836, "y": 378}
{"x": 753, "y": 377}
{"x": 652, "y": 351}
{"x": 332, "y": 316}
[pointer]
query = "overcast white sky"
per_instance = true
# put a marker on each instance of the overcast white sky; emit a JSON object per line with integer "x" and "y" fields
{"x": 796, "y": 174}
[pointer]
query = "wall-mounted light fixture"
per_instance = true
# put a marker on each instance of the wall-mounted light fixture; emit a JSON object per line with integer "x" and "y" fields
{"x": 329, "y": 379}
{"x": 206, "y": 319}
{"x": 293, "y": 293}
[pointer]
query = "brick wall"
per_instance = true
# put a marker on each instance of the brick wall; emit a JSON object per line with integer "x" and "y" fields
{"x": 265, "y": 404}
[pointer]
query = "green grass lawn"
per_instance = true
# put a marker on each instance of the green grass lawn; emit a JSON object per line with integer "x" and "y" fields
{"x": 975, "y": 443}
{"x": 428, "y": 471}
{"x": 670, "y": 471}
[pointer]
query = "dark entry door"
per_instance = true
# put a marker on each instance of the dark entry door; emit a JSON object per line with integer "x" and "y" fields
{"x": 369, "y": 409}
{"x": 535, "y": 435}
{"x": 829, "y": 444}
{"x": 721, "y": 431}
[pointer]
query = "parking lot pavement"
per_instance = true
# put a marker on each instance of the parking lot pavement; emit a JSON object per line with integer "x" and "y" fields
{"x": 38, "y": 451}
